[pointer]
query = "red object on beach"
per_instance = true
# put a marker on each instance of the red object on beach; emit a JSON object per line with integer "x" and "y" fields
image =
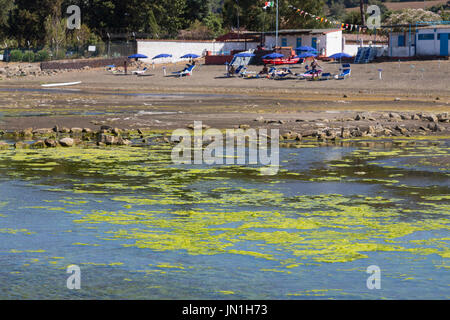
{"x": 291, "y": 60}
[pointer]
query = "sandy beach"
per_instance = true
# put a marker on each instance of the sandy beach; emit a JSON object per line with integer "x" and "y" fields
{"x": 155, "y": 101}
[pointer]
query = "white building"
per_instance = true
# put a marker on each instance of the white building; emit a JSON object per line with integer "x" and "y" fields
{"x": 178, "y": 48}
{"x": 352, "y": 43}
{"x": 425, "y": 41}
{"x": 326, "y": 41}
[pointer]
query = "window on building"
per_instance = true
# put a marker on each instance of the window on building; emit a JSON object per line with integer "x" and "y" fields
{"x": 426, "y": 36}
{"x": 401, "y": 41}
{"x": 439, "y": 35}
{"x": 283, "y": 42}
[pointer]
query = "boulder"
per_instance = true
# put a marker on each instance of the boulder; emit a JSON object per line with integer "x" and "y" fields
{"x": 21, "y": 145}
{"x": 66, "y": 142}
{"x": 345, "y": 133}
{"x": 4, "y": 145}
{"x": 76, "y": 130}
{"x": 50, "y": 143}
{"x": 26, "y": 133}
{"x": 395, "y": 116}
{"x": 432, "y": 117}
{"x": 443, "y": 117}
{"x": 38, "y": 144}
{"x": 43, "y": 131}
{"x": 124, "y": 142}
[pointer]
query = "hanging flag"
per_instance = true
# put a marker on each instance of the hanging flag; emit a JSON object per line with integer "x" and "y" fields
{"x": 268, "y": 4}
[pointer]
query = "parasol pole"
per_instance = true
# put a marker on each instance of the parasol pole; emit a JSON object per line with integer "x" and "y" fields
{"x": 276, "y": 28}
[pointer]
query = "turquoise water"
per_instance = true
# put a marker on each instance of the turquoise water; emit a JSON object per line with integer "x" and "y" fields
{"x": 142, "y": 228}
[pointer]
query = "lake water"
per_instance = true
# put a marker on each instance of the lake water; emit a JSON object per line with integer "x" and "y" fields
{"x": 140, "y": 227}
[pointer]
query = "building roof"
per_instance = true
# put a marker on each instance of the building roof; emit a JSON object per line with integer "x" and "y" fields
{"x": 365, "y": 38}
{"x": 438, "y": 26}
{"x": 304, "y": 31}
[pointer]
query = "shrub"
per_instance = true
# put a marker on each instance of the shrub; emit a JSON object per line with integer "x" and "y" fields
{"x": 42, "y": 55}
{"x": 16, "y": 55}
{"x": 28, "y": 56}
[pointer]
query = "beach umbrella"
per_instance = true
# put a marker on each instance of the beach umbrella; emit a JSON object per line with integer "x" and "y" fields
{"x": 340, "y": 56}
{"x": 305, "y": 48}
{"x": 162, "y": 55}
{"x": 273, "y": 56}
{"x": 138, "y": 56}
{"x": 307, "y": 55}
{"x": 244, "y": 55}
{"x": 190, "y": 56}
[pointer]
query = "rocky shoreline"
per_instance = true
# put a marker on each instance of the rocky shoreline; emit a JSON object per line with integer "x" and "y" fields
{"x": 362, "y": 125}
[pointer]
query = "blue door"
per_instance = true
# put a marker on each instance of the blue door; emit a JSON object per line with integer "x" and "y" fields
{"x": 444, "y": 44}
{"x": 299, "y": 44}
{"x": 314, "y": 43}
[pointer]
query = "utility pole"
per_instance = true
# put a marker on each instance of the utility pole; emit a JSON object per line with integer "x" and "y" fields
{"x": 276, "y": 28}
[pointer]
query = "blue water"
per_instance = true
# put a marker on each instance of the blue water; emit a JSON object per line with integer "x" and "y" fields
{"x": 46, "y": 224}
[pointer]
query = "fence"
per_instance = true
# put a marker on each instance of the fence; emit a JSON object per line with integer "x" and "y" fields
{"x": 95, "y": 50}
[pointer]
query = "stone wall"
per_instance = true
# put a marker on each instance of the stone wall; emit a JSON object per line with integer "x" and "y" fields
{"x": 82, "y": 63}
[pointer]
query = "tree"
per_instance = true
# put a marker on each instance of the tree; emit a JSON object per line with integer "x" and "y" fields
{"x": 363, "y": 12}
{"x": 337, "y": 10}
{"x": 7, "y": 6}
{"x": 253, "y": 17}
{"x": 410, "y": 16}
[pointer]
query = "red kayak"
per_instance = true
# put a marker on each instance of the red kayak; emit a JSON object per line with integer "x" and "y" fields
{"x": 291, "y": 60}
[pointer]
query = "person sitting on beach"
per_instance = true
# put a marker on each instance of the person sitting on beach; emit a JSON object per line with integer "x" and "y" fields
{"x": 314, "y": 65}
{"x": 264, "y": 70}
{"x": 231, "y": 70}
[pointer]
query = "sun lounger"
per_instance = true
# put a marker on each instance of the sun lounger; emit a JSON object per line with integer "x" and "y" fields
{"x": 326, "y": 76}
{"x": 281, "y": 74}
{"x": 244, "y": 73}
{"x": 345, "y": 71}
{"x": 238, "y": 71}
{"x": 310, "y": 74}
{"x": 186, "y": 72}
{"x": 140, "y": 72}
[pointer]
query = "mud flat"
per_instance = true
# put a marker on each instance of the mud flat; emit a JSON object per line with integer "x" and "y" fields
{"x": 412, "y": 99}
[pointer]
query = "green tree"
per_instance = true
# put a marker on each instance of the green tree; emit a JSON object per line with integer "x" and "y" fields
{"x": 337, "y": 10}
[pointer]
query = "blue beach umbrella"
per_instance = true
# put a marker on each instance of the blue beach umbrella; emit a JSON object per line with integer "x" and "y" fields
{"x": 307, "y": 55}
{"x": 305, "y": 48}
{"x": 162, "y": 55}
{"x": 138, "y": 56}
{"x": 244, "y": 55}
{"x": 190, "y": 56}
{"x": 273, "y": 56}
{"x": 340, "y": 55}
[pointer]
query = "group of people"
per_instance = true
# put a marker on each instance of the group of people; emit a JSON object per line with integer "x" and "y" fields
{"x": 314, "y": 67}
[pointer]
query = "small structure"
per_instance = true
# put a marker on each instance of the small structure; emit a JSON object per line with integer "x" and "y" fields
{"x": 352, "y": 42}
{"x": 178, "y": 48}
{"x": 429, "y": 40}
{"x": 325, "y": 41}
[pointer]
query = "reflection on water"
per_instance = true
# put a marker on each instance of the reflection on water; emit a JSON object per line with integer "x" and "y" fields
{"x": 142, "y": 228}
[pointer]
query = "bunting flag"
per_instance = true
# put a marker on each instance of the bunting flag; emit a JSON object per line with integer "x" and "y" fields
{"x": 342, "y": 26}
{"x": 268, "y": 4}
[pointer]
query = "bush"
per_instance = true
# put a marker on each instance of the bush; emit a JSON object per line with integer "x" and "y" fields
{"x": 42, "y": 55}
{"x": 16, "y": 56}
{"x": 28, "y": 56}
